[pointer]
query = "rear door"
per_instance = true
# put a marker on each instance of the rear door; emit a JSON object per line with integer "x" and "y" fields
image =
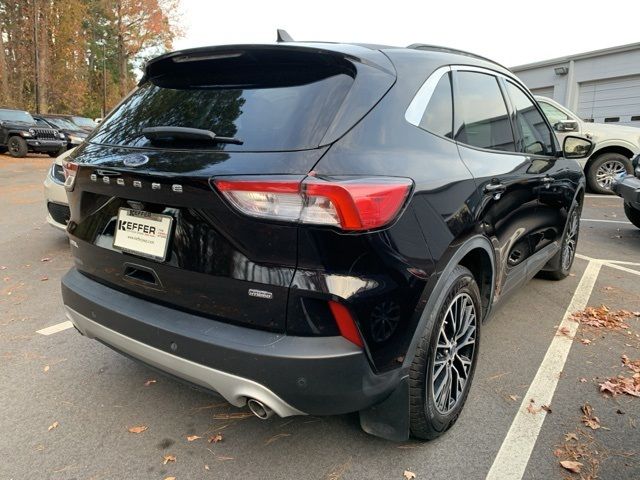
{"x": 507, "y": 186}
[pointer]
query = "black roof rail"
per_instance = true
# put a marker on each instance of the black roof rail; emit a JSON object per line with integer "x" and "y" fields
{"x": 437, "y": 48}
{"x": 283, "y": 36}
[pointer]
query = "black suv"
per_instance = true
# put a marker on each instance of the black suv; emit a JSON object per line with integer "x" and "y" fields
{"x": 73, "y": 133}
{"x": 313, "y": 228}
{"x": 19, "y": 134}
{"x": 628, "y": 187}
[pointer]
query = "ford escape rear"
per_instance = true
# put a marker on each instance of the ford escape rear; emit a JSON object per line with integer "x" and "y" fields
{"x": 318, "y": 228}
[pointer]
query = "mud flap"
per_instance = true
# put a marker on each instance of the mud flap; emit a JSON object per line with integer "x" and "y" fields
{"x": 389, "y": 419}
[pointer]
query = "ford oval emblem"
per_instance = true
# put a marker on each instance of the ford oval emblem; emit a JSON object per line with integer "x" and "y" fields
{"x": 135, "y": 160}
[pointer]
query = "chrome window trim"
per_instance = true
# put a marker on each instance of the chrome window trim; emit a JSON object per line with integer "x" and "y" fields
{"x": 415, "y": 110}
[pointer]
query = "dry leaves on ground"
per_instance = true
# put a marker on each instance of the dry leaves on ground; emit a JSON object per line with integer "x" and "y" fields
{"x": 170, "y": 478}
{"x": 572, "y": 466}
{"x": 151, "y": 381}
{"x": 215, "y": 438}
{"x": 52, "y": 426}
{"x": 168, "y": 458}
{"x": 633, "y": 365}
{"x": 45, "y": 259}
{"x": 409, "y": 475}
{"x": 579, "y": 454}
{"x": 621, "y": 384}
{"x": 588, "y": 418}
{"x": 138, "y": 429}
{"x": 46, "y": 368}
{"x": 602, "y": 317}
{"x": 191, "y": 438}
{"x": 565, "y": 331}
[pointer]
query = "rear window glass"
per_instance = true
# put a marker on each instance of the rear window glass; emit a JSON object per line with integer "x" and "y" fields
{"x": 267, "y": 114}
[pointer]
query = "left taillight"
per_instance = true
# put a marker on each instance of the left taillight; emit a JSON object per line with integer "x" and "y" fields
{"x": 351, "y": 204}
{"x": 70, "y": 171}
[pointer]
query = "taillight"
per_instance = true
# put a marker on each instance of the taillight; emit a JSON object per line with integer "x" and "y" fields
{"x": 353, "y": 204}
{"x": 346, "y": 323}
{"x": 70, "y": 171}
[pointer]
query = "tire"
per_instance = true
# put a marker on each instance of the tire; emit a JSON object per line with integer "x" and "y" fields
{"x": 430, "y": 413}
{"x": 17, "y": 147}
{"x": 560, "y": 264}
{"x": 633, "y": 214}
{"x": 606, "y": 166}
{"x": 57, "y": 153}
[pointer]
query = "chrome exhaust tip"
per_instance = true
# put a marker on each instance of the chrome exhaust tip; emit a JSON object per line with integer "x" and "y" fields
{"x": 259, "y": 409}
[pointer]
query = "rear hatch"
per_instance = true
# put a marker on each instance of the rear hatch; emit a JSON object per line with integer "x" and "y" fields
{"x": 145, "y": 218}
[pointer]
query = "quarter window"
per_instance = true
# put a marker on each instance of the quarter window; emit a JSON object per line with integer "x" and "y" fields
{"x": 482, "y": 119}
{"x": 438, "y": 116}
{"x": 536, "y": 137}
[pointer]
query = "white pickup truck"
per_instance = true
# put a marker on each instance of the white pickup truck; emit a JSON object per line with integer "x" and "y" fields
{"x": 615, "y": 146}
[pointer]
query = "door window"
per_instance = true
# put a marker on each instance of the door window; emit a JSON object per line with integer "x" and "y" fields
{"x": 535, "y": 135}
{"x": 553, "y": 114}
{"x": 482, "y": 119}
{"x": 438, "y": 116}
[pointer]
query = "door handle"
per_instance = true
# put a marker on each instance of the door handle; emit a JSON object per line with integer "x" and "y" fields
{"x": 496, "y": 189}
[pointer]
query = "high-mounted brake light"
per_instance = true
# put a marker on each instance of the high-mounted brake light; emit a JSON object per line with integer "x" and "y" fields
{"x": 70, "y": 170}
{"x": 354, "y": 204}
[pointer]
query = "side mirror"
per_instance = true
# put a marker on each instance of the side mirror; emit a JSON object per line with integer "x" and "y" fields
{"x": 576, "y": 147}
{"x": 566, "y": 126}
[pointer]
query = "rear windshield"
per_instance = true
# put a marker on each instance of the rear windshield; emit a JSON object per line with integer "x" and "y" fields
{"x": 290, "y": 110}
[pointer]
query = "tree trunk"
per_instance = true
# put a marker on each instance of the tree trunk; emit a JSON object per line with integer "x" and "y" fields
{"x": 4, "y": 73}
{"x": 43, "y": 55}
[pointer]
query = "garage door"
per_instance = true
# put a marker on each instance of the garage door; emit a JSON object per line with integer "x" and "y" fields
{"x": 614, "y": 100}
{"x": 543, "y": 92}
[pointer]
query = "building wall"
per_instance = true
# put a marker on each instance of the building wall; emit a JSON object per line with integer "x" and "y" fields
{"x": 621, "y": 62}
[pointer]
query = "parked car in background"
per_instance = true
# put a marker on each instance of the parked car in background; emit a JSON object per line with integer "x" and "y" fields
{"x": 55, "y": 195}
{"x": 20, "y": 134}
{"x": 74, "y": 134}
{"x": 306, "y": 232}
{"x": 628, "y": 187}
{"x": 84, "y": 123}
{"x": 615, "y": 145}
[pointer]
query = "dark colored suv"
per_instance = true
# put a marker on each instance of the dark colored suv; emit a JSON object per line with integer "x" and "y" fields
{"x": 20, "y": 134}
{"x": 313, "y": 228}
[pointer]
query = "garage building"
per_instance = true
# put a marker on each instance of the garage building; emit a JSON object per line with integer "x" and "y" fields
{"x": 600, "y": 86}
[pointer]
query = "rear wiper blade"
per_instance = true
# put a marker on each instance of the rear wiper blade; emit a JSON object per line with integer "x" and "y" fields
{"x": 168, "y": 133}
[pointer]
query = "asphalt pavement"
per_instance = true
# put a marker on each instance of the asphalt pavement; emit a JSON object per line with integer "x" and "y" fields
{"x": 67, "y": 403}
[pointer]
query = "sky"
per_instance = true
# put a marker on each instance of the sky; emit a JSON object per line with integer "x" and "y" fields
{"x": 509, "y": 32}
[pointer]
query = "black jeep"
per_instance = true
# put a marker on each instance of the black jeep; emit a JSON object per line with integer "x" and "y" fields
{"x": 19, "y": 134}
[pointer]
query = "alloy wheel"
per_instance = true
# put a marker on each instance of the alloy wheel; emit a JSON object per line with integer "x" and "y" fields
{"x": 454, "y": 353}
{"x": 570, "y": 241}
{"x": 607, "y": 172}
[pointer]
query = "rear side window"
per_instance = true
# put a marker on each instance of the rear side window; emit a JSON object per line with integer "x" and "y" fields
{"x": 290, "y": 109}
{"x": 482, "y": 119}
{"x": 438, "y": 116}
{"x": 535, "y": 134}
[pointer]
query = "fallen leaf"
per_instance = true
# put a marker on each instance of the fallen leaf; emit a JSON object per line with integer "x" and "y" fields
{"x": 2, "y": 267}
{"x": 571, "y": 466}
{"x": 608, "y": 289}
{"x": 589, "y": 419}
{"x": 621, "y": 384}
{"x": 169, "y": 478}
{"x": 408, "y": 475}
{"x": 633, "y": 365}
{"x": 565, "y": 331}
{"x": 583, "y": 380}
{"x": 45, "y": 259}
{"x": 206, "y": 467}
{"x": 602, "y": 317}
{"x": 138, "y": 429}
{"x": 585, "y": 341}
{"x": 149, "y": 382}
{"x": 52, "y": 426}
{"x": 191, "y": 438}
{"x": 46, "y": 368}
{"x": 533, "y": 409}
{"x": 547, "y": 408}
{"x": 168, "y": 458}
{"x": 570, "y": 436}
{"x": 44, "y": 278}
{"x": 215, "y": 438}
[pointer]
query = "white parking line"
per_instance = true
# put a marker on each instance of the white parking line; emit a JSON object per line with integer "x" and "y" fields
{"x": 610, "y": 197}
{"x": 515, "y": 451}
{"x": 58, "y": 327}
{"x": 604, "y": 221}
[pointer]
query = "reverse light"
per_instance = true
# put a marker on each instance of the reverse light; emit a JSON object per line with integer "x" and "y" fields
{"x": 346, "y": 323}
{"x": 70, "y": 171}
{"x": 353, "y": 204}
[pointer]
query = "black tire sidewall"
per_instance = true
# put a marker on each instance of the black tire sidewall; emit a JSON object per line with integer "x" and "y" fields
{"x": 426, "y": 421}
{"x": 593, "y": 168}
{"x": 23, "y": 148}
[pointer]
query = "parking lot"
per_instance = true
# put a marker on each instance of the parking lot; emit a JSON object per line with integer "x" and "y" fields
{"x": 68, "y": 402}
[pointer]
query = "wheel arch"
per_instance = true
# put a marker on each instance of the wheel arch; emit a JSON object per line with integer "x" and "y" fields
{"x": 620, "y": 149}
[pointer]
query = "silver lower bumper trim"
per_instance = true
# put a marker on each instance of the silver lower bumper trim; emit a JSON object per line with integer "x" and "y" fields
{"x": 236, "y": 390}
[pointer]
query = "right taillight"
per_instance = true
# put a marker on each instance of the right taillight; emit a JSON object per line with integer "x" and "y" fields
{"x": 352, "y": 204}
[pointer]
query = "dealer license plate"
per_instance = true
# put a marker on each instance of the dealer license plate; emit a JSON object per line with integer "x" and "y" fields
{"x": 143, "y": 233}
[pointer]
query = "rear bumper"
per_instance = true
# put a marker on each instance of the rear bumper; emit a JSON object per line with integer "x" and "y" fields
{"x": 628, "y": 187}
{"x": 291, "y": 375}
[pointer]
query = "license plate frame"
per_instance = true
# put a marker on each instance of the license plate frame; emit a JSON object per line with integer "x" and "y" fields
{"x": 131, "y": 238}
